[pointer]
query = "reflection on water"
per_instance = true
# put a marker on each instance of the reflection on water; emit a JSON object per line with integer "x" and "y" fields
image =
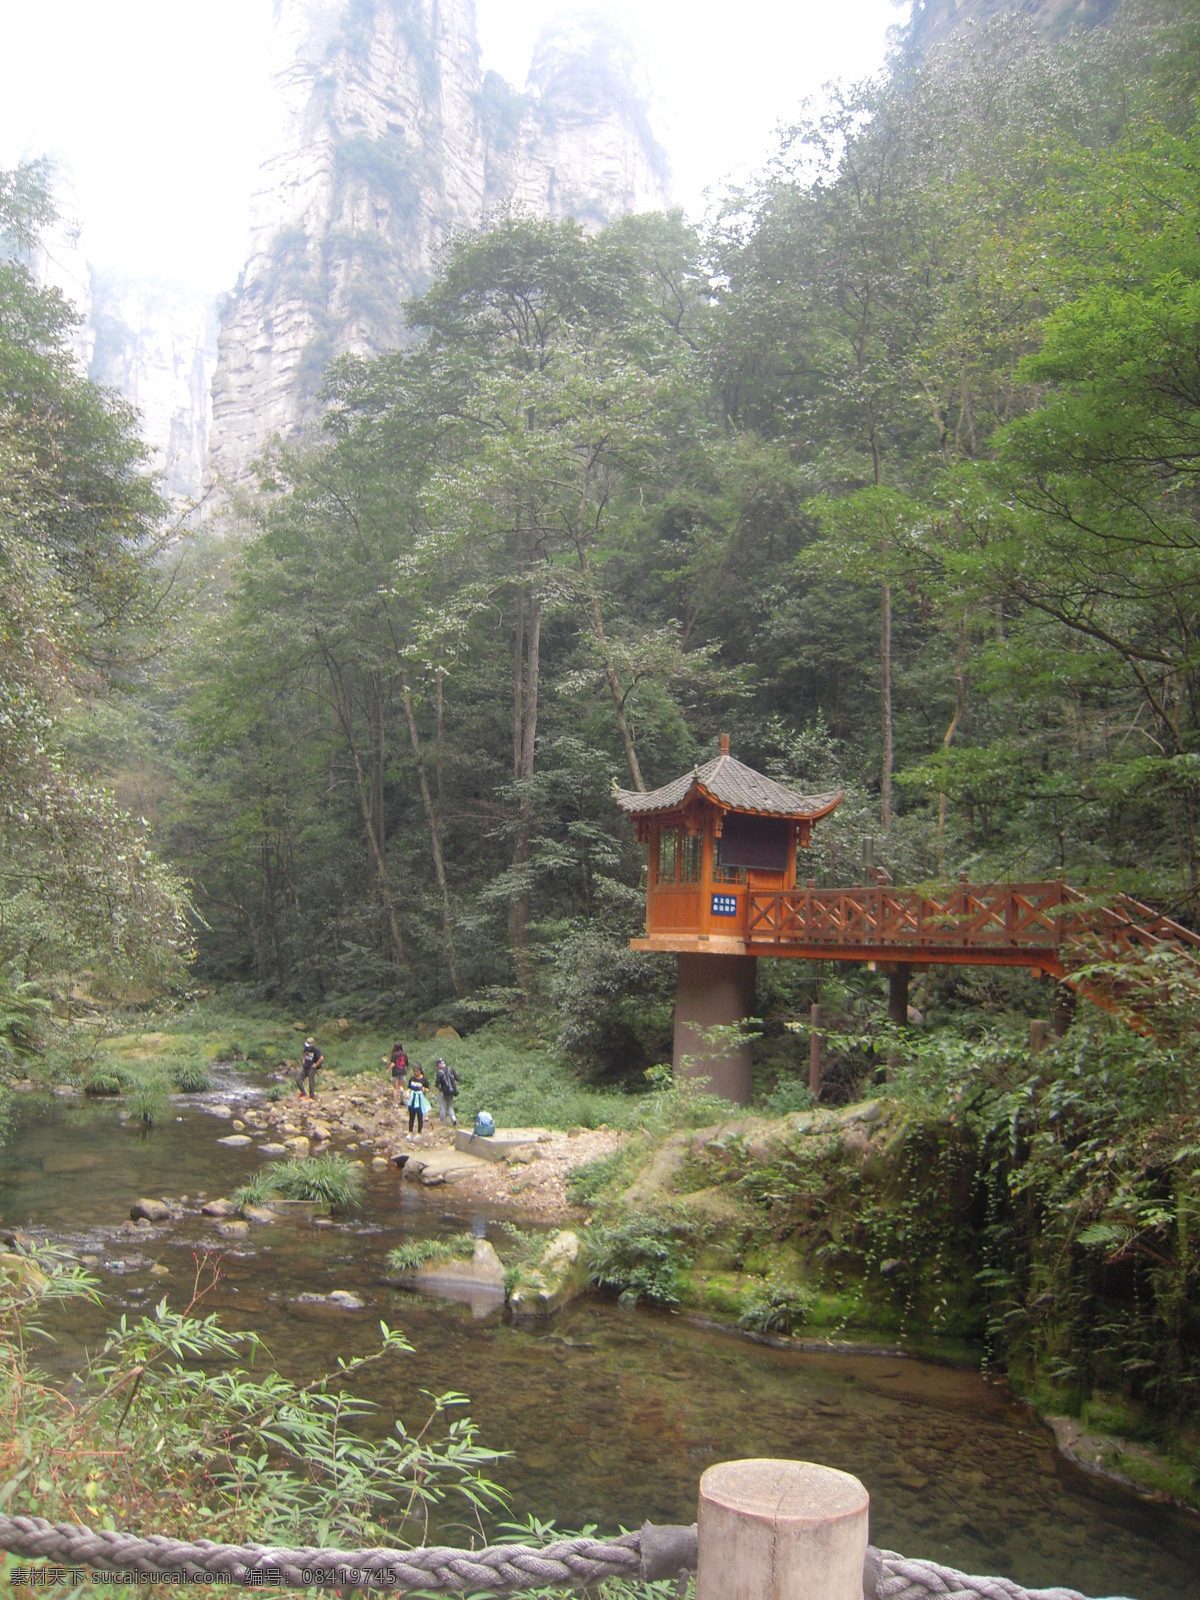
{"x": 610, "y": 1416}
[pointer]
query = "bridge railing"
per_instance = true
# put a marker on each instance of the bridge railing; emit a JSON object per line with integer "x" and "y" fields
{"x": 1047, "y": 917}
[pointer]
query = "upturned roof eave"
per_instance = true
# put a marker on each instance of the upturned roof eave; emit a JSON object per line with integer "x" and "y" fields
{"x": 671, "y": 797}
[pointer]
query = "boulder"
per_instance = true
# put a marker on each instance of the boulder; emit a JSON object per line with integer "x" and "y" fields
{"x": 272, "y": 1150}
{"x": 321, "y": 1131}
{"x": 446, "y": 1033}
{"x": 233, "y": 1228}
{"x": 236, "y": 1139}
{"x": 259, "y": 1214}
{"x": 224, "y": 1112}
{"x": 477, "y": 1281}
{"x": 150, "y": 1211}
{"x": 215, "y": 1208}
{"x": 557, "y": 1279}
{"x": 297, "y": 1144}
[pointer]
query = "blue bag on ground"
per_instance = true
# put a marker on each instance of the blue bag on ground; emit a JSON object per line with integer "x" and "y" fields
{"x": 484, "y": 1126}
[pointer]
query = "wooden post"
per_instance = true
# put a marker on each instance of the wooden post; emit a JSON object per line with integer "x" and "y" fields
{"x": 1039, "y": 1035}
{"x": 814, "y": 1052}
{"x": 1064, "y": 1009}
{"x": 898, "y": 977}
{"x": 780, "y": 1530}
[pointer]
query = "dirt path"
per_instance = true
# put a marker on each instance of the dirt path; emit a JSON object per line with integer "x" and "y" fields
{"x": 355, "y": 1119}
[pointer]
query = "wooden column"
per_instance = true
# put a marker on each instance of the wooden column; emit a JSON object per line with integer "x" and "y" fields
{"x": 780, "y": 1530}
{"x": 814, "y": 1052}
{"x": 1064, "y": 1008}
{"x": 714, "y": 991}
{"x": 1039, "y": 1035}
{"x": 898, "y": 977}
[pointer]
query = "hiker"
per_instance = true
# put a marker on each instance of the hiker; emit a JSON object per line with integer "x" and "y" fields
{"x": 418, "y": 1099}
{"x": 446, "y": 1082}
{"x": 310, "y": 1061}
{"x": 398, "y": 1062}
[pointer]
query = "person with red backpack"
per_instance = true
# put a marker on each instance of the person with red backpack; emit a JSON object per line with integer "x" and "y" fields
{"x": 398, "y": 1063}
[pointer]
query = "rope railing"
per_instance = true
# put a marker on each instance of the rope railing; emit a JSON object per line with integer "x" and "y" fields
{"x": 652, "y": 1553}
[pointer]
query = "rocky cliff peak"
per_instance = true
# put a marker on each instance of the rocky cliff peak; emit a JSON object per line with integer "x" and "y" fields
{"x": 388, "y": 137}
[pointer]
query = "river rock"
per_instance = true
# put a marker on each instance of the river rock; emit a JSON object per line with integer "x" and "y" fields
{"x": 215, "y": 1208}
{"x": 72, "y": 1161}
{"x": 259, "y": 1214}
{"x": 272, "y": 1149}
{"x": 378, "y": 1163}
{"x": 478, "y": 1282}
{"x": 150, "y": 1211}
{"x": 238, "y": 1124}
{"x": 236, "y": 1139}
{"x": 321, "y": 1131}
{"x": 557, "y": 1278}
{"x": 344, "y": 1298}
{"x": 233, "y": 1228}
{"x": 66, "y": 1091}
{"x": 224, "y": 1112}
{"x": 159, "y": 1271}
{"x": 298, "y": 1144}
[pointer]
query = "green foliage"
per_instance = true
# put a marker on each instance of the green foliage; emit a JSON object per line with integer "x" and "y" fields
{"x": 329, "y": 1180}
{"x": 587, "y": 1182}
{"x": 775, "y": 1308}
{"x": 414, "y": 1253}
{"x": 639, "y": 1258}
{"x": 148, "y": 1098}
{"x": 191, "y": 1077}
{"x": 174, "y": 1412}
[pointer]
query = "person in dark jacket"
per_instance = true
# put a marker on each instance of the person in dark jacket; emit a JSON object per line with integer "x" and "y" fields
{"x": 309, "y": 1063}
{"x": 445, "y": 1081}
{"x": 398, "y": 1062}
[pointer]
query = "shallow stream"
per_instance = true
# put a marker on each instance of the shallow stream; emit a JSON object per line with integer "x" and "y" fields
{"x": 611, "y": 1415}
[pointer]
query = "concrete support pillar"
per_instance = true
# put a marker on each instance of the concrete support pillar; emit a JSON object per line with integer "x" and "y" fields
{"x": 1039, "y": 1035}
{"x": 714, "y": 991}
{"x": 780, "y": 1530}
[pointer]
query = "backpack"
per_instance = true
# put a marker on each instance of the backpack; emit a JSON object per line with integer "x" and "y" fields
{"x": 484, "y": 1126}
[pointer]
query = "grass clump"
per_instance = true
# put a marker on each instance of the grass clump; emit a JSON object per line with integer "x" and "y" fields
{"x": 326, "y": 1180}
{"x": 191, "y": 1077}
{"x": 149, "y": 1099}
{"x": 414, "y": 1253}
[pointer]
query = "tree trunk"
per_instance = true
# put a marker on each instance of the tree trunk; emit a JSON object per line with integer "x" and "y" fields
{"x": 435, "y": 838}
{"x": 375, "y": 839}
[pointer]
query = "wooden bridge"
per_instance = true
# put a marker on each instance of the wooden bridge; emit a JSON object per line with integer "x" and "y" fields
{"x": 1048, "y": 927}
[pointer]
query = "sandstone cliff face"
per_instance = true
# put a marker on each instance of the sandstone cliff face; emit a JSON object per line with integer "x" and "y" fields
{"x": 156, "y": 344}
{"x": 389, "y": 138}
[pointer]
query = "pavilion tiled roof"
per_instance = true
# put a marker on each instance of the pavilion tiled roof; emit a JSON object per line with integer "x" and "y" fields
{"x": 733, "y": 786}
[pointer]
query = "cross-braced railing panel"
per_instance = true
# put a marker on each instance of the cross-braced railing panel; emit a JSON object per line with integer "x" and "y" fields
{"x": 1047, "y": 919}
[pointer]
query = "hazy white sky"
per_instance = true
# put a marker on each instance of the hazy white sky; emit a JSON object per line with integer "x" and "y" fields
{"x": 155, "y": 105}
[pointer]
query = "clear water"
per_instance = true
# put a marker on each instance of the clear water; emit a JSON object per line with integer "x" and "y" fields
{"x": 611, "y": 1416}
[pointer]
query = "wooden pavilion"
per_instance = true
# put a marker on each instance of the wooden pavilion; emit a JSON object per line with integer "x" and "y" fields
{"x": 717, "y": 836}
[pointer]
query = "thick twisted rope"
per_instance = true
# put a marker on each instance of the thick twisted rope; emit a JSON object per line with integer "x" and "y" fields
{"x": 888, "y": 1576}
{"x": 651, "y": 1553}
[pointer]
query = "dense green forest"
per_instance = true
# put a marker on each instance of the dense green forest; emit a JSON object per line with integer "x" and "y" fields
{"x": 888, "y": 471}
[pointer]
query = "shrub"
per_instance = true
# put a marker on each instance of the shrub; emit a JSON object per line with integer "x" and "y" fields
{"x": 775, "y": 1308}
{"x": 638, "y": 1258}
